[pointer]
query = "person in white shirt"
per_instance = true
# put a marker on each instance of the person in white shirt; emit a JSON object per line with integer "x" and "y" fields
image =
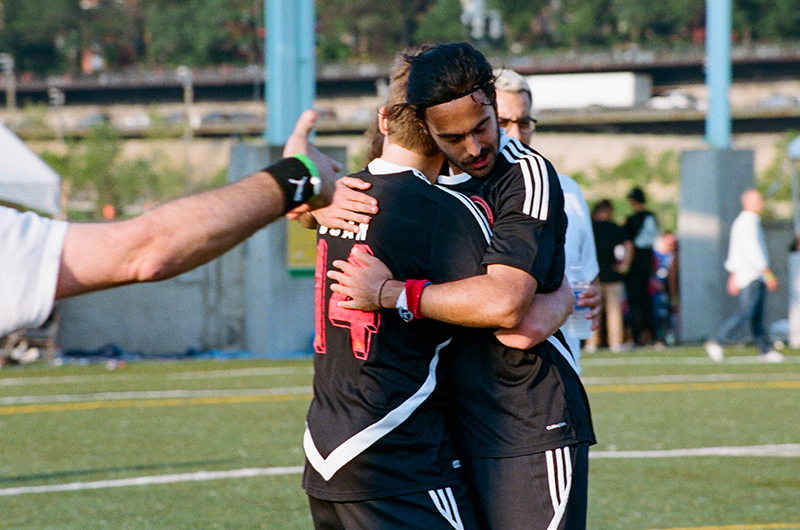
{"x": 514, "y": 114}
{"x": 42, "y": 260}
{"x": 750, "y": 277}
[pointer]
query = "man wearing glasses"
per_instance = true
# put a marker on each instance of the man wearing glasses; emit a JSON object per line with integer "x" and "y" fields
{"x": 514, "y": 114}
{"x": 514, "y": 105}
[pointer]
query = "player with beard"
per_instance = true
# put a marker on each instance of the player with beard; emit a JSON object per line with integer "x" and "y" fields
{"x": 521, "y": 418}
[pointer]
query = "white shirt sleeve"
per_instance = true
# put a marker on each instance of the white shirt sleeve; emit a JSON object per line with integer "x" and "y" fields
{"x": 648, "y": 233}
{"x": 579, "y": 247}
{"x": 30, "y": 254}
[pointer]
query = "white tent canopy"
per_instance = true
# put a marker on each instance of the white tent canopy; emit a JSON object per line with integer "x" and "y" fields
{"x": 25, "y": 179}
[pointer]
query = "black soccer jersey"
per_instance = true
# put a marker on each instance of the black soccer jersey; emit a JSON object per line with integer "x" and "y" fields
{"x": 527, "y": 207}
{"x": 503, "y": 401}
{"x": 376, "y": 425}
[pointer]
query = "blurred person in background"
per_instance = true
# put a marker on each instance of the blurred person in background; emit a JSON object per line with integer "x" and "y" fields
{"x": 42, "y": 260}
{"x": 515, "y": 115}
{"x": 642, "y": 229}
{"x": 614, "y": 256}
{"x": 665, "y": 288}
{"x": 749, "y": 279}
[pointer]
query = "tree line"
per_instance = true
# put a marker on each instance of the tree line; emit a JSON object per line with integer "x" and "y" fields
{"x": 60, "y": 36}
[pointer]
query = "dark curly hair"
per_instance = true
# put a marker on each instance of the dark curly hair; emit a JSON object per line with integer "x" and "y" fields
{"x": 445, "y": 73}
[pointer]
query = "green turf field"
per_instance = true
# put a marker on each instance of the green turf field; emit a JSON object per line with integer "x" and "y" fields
{"x": 683, "y": 444}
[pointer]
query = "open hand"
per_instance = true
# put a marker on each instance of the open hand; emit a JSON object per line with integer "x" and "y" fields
{"x": 298, "y": 143}
{"x": 359, "y": 279}
{"x": 350, "y": 206}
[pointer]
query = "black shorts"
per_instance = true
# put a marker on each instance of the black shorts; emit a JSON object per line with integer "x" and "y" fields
{"x": 533, "y": 492}
{"x": 443, "y": 509}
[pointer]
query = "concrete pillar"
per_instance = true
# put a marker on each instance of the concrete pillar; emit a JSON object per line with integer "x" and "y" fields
{"x": 711, "y": 182}
{"x": 278, "y": 306}
{"x": 793, "y": 286}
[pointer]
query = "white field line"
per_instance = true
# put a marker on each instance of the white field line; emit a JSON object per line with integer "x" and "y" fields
{"x": 624, "y": 359}
{"x": 784, "y": 450}
{"x": 152, "y": 394}
{"x": 787, "y": 450}
{"x": 117, "y": 376}
{"x": 688, "y": 378}
{"x": 200, "y": 476}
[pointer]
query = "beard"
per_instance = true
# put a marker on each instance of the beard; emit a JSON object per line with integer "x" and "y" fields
{"x": 488, "y": 153}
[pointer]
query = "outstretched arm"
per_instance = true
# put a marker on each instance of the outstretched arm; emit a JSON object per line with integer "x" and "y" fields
{"x": 187, "y": 232}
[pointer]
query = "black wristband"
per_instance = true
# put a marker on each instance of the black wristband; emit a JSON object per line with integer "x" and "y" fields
{"x": 298, "y": 184}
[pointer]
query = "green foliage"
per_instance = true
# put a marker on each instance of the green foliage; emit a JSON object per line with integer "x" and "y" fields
{"x": 637, "y": 170}
{"x": 34, "y": 116}
{"x": 48, "y": 36}
{"x": 642, "y": 22}
{"x": 766, "y": 19}
{"x": 519, "y": 16}
{"x": 32, "y": 29}
{"x": 442, "y": 23}
{"x": 775, "y": 181}
{"x": 201, "y": 32}
{"x": 585, "y": 22}
{"x": 220, "y": 178}
{"x": 364, "y": 28}
{"x": 93, "y": 168}
{"x": 667, "y": 168}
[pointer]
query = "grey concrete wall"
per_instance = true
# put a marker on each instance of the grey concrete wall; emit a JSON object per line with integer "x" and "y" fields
{"x": 167, "y": 317}
{"x": 711, "y": 182}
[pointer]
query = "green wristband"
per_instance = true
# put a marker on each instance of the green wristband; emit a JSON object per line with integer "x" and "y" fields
{"x": 312, "y": 167}
{"x": 295, "y": 178}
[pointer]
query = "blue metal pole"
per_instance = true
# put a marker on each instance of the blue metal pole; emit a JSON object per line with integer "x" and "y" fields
{"x": 290, "y": 69}
{"x": 306, "y": 65}
{"x": 718, "y": 72}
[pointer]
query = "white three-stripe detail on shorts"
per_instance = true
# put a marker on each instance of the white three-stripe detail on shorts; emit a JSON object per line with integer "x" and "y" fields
{"x": 359, "y": 442}
{"x": 445, "y": 502}
{"x": 559, "y": 477}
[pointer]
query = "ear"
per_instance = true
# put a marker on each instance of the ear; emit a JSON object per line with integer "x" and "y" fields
{"x": 383, "y": 121}
{"x": 424, "y": 127}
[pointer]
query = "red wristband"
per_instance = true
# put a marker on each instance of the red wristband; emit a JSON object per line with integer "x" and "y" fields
{"x": 414, "y": 293}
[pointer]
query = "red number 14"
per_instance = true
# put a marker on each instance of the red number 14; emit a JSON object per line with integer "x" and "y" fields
{"x": 362, "y": 324}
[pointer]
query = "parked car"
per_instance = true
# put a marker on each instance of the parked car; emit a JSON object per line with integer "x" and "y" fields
{"x": 94, "y": 119}
{"x": 139, "y": 120}
{"x": 675, "y": 99}
{"x": 778, "y": 100}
